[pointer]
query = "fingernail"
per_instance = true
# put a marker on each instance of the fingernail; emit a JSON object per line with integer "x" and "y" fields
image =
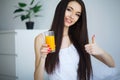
{"x": 48, "y": 50}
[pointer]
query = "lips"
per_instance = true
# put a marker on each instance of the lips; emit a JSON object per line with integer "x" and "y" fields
{"x": 68, "y": 21}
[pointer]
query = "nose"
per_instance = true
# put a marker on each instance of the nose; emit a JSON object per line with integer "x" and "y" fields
{"x": 72, "y": 15}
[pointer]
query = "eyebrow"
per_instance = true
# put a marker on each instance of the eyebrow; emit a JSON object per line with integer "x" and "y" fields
{"x": 73, "y": 9}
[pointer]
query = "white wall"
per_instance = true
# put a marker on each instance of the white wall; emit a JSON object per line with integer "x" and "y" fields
{"x": 103, "y": 21}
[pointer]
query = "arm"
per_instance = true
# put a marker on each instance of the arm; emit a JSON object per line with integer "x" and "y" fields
{"x": 105, "y": 58}
{"x": 99, "y": 53}
{"x": 40, "y": 56}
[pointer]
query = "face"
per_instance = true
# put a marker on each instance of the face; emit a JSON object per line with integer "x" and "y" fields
{"x": 72, "y": 13}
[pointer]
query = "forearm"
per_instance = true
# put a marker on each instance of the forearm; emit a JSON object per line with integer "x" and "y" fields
{"x": 39, "y": 71}
{"x": 106, "y": 59}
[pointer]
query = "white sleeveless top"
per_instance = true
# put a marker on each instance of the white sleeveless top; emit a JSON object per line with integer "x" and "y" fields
{"x": 67, "y": 69}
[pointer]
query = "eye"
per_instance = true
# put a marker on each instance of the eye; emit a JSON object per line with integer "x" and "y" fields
{"x": 68, "y": 9}
{"x": 78, "y": 15}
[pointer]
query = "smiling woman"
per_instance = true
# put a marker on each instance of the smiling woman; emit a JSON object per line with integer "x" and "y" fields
{"x": 72, "y": 57}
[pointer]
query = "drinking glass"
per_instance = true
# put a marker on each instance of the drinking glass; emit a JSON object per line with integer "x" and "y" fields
{"x": 50, "y": 40}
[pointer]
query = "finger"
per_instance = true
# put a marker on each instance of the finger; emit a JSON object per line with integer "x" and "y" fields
{"x": 88, "y": 47}
{"x": 45, "y": 45}
{"x": 45, "y": 50}
{"x": 93, "y": 39}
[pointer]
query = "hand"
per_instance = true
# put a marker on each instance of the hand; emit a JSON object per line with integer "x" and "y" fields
{"x": 92, "y": 48}
{"x": 45, "y": 49}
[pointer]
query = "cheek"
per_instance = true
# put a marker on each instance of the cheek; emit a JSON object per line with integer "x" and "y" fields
{"x": 67, "y": 13}
{"x": 76, "y": 19}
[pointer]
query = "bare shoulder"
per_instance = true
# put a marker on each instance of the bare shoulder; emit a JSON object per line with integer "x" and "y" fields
{"x": 39, "y": 38}
{"x": 38, "y": 41}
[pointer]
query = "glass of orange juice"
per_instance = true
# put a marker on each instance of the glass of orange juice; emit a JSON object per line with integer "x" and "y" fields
{"x": 50, "y": 40}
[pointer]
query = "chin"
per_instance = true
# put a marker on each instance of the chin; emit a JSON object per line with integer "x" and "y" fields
{"x": 68, "y": 25}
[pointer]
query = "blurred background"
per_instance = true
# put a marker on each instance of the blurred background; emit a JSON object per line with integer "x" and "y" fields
{"x": 103, "y": 17}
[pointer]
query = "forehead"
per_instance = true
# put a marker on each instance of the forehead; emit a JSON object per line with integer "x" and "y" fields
{"x": 75, "y": 5}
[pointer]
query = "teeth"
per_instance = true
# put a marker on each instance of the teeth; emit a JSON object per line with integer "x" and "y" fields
{"x": 68, "y": 20}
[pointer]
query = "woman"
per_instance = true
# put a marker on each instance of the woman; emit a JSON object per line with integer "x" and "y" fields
{"x": 71, "y": 60}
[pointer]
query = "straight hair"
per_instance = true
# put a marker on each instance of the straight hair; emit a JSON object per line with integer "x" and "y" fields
{"x": 78, "y": 35}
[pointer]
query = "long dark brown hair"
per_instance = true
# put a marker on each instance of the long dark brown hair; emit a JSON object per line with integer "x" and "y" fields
{"x": 79, "y": 37}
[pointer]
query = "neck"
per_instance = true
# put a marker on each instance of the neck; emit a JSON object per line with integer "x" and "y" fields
{"x": 65, "y": 32}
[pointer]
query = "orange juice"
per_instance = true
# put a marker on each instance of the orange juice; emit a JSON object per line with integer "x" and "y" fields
{"x": 50, "y": 40}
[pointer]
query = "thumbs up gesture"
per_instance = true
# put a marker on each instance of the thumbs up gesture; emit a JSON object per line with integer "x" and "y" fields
{"x": 92, "y": 48}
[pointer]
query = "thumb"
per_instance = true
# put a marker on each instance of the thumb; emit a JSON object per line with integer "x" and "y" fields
{"x": 93, "y": 39}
